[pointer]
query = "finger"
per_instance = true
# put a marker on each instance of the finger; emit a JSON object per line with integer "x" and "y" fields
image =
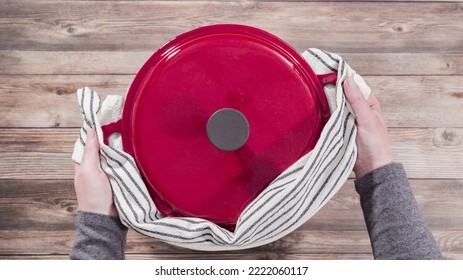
{"x": 356, "y": 100}
{"x": 374, "y": 103}
{"x": 76, "y": 167}
{"x": 77, "y": 172}
{"x": 376, "y": 108}
{"x": 91, "y": 157}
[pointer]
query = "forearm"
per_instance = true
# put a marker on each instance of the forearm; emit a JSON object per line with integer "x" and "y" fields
{"x": 395, "y": 224}
{"x": 98, "y": 237}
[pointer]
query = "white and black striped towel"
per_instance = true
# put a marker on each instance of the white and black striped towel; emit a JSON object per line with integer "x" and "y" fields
{"x": 289, "y": 201}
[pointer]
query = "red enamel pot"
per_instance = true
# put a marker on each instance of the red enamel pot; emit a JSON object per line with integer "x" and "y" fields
{"x": 216, "y": 114}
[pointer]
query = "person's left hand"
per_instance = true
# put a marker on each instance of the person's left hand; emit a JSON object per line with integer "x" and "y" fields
{"x": 92, "y": 186}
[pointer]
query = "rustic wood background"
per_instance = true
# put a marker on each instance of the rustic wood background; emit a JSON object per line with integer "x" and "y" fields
{"x": 411, "y": 53}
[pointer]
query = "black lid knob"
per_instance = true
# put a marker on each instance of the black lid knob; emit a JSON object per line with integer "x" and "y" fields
{"x": 228, "y": 129}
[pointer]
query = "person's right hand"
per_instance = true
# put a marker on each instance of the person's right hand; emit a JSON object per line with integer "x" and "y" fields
{"x": 374, "y": 150}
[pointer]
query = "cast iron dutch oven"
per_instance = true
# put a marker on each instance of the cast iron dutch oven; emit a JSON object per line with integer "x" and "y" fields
{"x": 216, "y": 114}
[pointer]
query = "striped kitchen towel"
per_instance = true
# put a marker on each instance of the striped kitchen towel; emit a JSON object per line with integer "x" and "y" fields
{"x": 288, "y": 202}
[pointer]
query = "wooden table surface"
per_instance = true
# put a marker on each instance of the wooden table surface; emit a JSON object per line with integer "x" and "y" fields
{"x": 411, "y": 54}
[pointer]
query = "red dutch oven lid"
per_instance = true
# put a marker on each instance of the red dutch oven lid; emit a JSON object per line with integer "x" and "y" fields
{"x": 216, "y": 114}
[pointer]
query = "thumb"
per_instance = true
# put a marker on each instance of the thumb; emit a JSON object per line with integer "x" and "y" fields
{"x": 91, "y": 157}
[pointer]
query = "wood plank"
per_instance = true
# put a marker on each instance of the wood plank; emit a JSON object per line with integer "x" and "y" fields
{"x": 50, "y": 205}
{"x": 346, "y": 256}
{"x": 296, "y": 243}
{"x": 72, "y": 62}
{"x": 221, "y": 256}
{"x": 448, "y": 256}
{"x": 38, "y": 140}
{"x": 38, "y": 218}
{"x": 50, "y": 101}
{"x": 115, "y": 25}
{"x": 386, "y": 1}
{"x": 34, "y": 165}
{"x": 416, "y": 148}
{"x": 433, "y": 101}
{"x": 129, "y": 62}
{"x": 429, "y": 153}
{"x": 49, "y": 37}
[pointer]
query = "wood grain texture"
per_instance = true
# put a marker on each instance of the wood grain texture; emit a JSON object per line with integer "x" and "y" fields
{"x": 415, "y": 147}
{"x": 50, "y": 205}
{"x": 338, "y": 26}
{"x": 429, "y": 153}
{"x": 129, "y": 62}
{"x": 194, "y": 256}
{"x": 221, "y": 256}
{"x": 36, "y": 166}
{"x": 448, "y": 256}
{"x": 298, "y": 242}
{"x": 60, "y": 141}
{"x": 59, "y": 242}
{"x": 50, "y": 101}
{"x": 410, "y": 52}
{"x": 384, "y": 1}
{"x": 38, "y": 218}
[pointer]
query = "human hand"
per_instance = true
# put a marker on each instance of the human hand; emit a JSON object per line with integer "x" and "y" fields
{"x": 92, "y": 186}
{"x": 373, "y": 145}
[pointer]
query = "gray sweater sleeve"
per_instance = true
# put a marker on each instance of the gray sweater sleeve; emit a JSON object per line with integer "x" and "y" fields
{"x": 396, "y": 227}
{"x": 99, "y": 237}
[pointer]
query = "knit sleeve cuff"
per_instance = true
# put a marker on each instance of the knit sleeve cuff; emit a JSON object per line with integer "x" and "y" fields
{"x": 101, "y": 221}
{"x": 378, "y": 176}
